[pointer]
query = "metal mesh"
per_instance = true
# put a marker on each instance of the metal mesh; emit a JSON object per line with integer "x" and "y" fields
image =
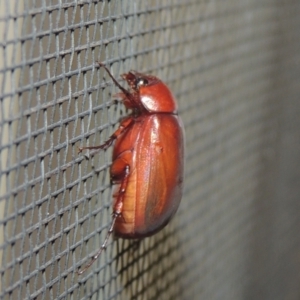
{"x": 234, "y": 68}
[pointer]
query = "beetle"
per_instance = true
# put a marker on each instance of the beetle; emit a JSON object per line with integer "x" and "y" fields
{"x": 147, "y": 162}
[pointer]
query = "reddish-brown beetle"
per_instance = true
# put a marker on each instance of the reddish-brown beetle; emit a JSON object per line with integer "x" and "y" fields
{"x": 147, "y": 162}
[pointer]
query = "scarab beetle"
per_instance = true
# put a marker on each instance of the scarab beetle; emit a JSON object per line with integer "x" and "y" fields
{"x": 148, "y": 159}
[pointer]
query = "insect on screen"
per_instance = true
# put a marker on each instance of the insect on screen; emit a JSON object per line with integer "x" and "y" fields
{"x": 233, "y": 67}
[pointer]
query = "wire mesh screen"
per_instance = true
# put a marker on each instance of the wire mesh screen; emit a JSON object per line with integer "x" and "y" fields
{"x": 233, "y": 67}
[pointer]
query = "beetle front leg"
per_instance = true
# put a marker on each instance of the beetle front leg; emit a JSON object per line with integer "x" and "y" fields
{"x": 125, "y": 125}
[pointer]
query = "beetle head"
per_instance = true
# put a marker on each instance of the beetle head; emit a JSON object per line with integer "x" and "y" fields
{"x": 136, "y": 80}
{"x": 150, "y": 93}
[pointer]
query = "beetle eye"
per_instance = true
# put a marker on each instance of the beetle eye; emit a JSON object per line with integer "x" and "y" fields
{"x": 141, "y": 82}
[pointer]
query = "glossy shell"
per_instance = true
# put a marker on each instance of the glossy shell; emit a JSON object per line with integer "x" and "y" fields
{"x": 154, "y": 145}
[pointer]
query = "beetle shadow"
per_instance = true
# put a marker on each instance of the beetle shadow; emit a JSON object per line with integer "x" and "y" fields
{"x": 151, "y": 268}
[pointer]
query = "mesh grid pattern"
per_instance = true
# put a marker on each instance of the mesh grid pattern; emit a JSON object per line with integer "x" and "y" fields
{"x": 234, "y": 68}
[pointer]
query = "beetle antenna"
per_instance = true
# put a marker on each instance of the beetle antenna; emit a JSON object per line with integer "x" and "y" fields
{"x": 103, "y": 247}
{"x": 126, "y": 92}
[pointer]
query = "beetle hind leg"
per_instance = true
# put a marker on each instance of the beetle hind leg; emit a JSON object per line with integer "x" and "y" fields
{"x": 119, "y": 173}
{"x": 103, "y": 247}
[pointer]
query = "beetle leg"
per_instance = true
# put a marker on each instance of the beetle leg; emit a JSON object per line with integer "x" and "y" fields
{"x": 119, "y": 173}
{"x": 125, "y": 124}
{"x": 103, "y": 247}
{"x": 126, "y": 92}
{"x": 120, "y": 170}
{"x": 128, "y": 97}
